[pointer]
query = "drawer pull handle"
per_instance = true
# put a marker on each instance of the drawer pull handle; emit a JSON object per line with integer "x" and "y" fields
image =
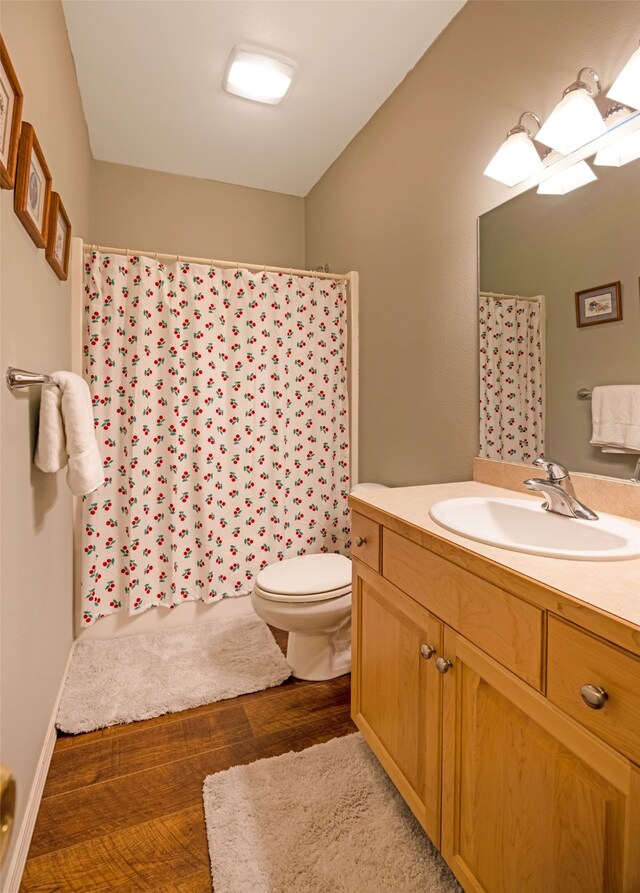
{"x": 427, "y": 651}
{"x": 443, "y": 665}
{"x": 594, "y": 696}
{"x": 360, "y": 541}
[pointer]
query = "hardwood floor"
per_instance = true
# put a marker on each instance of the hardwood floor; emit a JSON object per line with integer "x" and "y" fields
{"x": 122, "y": 807}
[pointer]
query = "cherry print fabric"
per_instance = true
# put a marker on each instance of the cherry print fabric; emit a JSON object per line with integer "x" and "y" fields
{"x": 221, "y": 409}
{"x": 511, "y": 379}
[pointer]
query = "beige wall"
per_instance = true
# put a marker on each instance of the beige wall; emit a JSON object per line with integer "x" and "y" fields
{"x": 401, "y": 204}
{"x": 150, "y": 210}
{"x": 555, "y": 246}
{"x": 35, "y": 577}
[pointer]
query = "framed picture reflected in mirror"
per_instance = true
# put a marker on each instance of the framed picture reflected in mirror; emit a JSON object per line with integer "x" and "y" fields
{"x": 598, "y": 305}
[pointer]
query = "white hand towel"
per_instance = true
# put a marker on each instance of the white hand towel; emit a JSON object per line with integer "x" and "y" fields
{"x": 615, "y": 412}
{"x": 67, "y": 435}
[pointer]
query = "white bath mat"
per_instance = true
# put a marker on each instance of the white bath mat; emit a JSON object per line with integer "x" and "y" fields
{"x": 136, "y": 677}
{"x": 325, "y": 820}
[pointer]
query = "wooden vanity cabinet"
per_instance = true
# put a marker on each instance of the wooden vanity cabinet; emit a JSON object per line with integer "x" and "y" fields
{"x": 518, "y": 795}
{"x": 530, "y": 802}
{"x": 395, "y": 700}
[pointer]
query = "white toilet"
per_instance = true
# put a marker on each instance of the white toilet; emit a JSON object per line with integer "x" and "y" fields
{"x": 310, "y": 598}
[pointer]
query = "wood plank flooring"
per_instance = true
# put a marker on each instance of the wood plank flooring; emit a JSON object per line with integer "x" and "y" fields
{"x": 122, "y": 807}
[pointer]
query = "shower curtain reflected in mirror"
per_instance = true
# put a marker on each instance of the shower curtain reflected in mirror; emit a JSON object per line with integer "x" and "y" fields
{"x": 511, "y": 377}
{"x": 220, "y": 400}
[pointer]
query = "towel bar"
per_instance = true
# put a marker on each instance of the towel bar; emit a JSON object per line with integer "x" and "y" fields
{"x": 584, "y": 394}
{"x": 20, "y": 378}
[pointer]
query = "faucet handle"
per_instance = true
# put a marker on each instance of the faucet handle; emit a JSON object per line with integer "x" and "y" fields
{"x": 554, "y": 470}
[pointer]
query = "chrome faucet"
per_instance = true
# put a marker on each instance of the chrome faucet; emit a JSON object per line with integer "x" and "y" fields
{"x": 559, "y": 492}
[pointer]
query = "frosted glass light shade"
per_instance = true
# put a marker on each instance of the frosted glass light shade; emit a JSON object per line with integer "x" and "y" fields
{"x": 567, "y": 180}
{"x": 625, "y": 149}
{"x": 515, "y": 160}
{"x": 258, "y": 75}
{"x": 626, "y": 87}
{"x": 573, "y": 122}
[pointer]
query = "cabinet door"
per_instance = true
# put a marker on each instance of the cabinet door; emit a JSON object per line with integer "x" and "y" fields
{"x": 396, "y": 690}
{"x": 531, "y": 802}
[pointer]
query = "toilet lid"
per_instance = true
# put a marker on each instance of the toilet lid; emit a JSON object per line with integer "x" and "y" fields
{"x": 306, "y": 575}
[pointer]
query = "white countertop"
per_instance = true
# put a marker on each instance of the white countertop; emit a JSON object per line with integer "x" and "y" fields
{"x": 612, "y": 586}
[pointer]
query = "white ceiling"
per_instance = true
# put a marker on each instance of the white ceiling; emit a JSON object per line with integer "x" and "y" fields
{"x": 150, "y": 76}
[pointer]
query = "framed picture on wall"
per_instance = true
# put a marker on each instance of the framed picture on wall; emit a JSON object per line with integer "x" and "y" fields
{"x": 10, "y": 117}
{"x": 33, "y": 186}
{"x": 598, "y": 305}
{"x": 58, "y": 238}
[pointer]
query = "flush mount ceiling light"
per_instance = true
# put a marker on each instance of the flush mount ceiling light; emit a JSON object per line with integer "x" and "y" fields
{"x": 576, "y": 119}
{"x": 626, "y": 87}
{"x": 567, "y": 180}
{"x": 624, "y": 149}
{"x": 517, "y": 158}
{"x": 258, "y": 74}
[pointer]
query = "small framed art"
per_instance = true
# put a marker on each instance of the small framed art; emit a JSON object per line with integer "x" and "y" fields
{"x": 33, "y": 186}
{"x": 10, "y": 117}
{"x": 597, "y": 305}
{"x": 58, "y": 238}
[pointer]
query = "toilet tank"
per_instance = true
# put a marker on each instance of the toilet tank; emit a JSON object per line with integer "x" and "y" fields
{"x": 360, "y": 488}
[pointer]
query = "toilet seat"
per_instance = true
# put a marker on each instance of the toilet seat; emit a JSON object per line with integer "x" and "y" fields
{"x": 299, "y": 599}
{"x": 309, "y": 578}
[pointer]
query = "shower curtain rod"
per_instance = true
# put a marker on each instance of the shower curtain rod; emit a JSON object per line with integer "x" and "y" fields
{"x": 214, "y": 263}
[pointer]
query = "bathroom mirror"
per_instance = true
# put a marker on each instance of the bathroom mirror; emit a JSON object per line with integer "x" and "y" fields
{"x": 557, "y": 245}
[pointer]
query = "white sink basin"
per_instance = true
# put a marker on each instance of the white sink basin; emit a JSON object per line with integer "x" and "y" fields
{"x": 524, "y": 526}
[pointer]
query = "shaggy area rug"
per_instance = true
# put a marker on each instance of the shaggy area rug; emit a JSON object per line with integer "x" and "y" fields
{"x": 136, "y": 677}
{"x": 325, "y": 820}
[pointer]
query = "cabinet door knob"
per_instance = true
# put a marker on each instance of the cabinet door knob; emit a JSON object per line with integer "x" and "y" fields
{"x": 594, "y": 696}
{"x": 360, "y": 540}
{"x": 427, "y": 651}
{"x": 443, "y": 665}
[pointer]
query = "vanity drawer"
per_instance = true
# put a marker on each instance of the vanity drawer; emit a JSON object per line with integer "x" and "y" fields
{"x": 577, "y": 658}
{"x": 503, "y": 625}
{"x": 365, "y": 540}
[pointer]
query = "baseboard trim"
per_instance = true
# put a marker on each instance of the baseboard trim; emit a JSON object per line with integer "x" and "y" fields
{"x": 25, "y": 832}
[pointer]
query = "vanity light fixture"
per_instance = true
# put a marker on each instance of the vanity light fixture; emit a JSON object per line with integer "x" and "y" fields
{"x": 258, "y": 74}
{"x": 626, "y": 148}
{"x": 626, "y": 87}
{"x": 571, "y": 178}
{"x": 576, "y": 119}
{"x": 517, "y": 158}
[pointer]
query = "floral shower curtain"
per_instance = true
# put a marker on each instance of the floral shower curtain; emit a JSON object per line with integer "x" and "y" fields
{"x": 511, "y": 377}
{"x": 220, "y": 402}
